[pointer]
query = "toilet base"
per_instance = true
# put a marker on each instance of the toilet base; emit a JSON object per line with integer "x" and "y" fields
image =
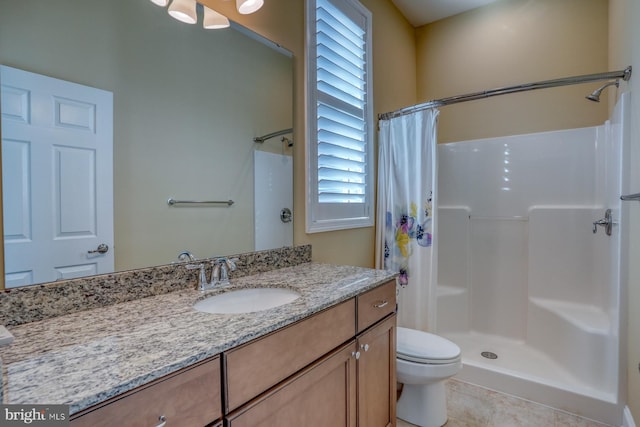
{"x": 424, "y": 405}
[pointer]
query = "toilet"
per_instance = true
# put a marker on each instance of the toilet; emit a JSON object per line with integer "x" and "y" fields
{"x": 424, "y": 362}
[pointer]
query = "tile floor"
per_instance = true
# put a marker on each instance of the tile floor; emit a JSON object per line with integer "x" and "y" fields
{"x": 472, "y": 406}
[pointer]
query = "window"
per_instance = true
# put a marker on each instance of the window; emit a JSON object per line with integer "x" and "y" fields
{"x": 340, "y": 116}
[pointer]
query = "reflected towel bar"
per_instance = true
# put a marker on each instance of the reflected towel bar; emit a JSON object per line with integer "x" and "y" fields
{"x": 635, "y": 196}
{"x": 173, "y": 202}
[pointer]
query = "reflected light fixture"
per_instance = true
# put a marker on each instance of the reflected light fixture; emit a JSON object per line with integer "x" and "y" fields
{"x": 248, "y": 6}
{"x": 184, "y": 11}
{"x": 213, "y": 20}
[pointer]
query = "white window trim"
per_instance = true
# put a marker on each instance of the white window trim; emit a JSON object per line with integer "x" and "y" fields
{"x": 342, "y": 215}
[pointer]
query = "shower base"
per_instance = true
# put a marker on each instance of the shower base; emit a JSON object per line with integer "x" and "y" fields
{"x": 526, "y": 372}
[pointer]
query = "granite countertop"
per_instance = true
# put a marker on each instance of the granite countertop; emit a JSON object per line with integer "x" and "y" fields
{"x": 87, "y": 357}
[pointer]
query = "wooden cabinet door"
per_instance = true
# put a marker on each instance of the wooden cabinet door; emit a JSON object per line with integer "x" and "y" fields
{"x": 324, "y": 394}
{"x": 377, "y": 375}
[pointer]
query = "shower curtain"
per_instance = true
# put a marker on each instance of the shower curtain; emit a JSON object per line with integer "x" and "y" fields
{"x": 406, "y": 217}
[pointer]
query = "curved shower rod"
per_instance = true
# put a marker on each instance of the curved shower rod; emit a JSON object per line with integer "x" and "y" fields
{"x": 588, "y": 78}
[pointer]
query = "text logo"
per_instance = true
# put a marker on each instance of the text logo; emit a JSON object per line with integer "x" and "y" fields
{"x": 34, "y": 415}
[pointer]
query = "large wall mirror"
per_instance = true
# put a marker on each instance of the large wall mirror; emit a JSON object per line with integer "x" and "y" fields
{"x": 187, "y": 104}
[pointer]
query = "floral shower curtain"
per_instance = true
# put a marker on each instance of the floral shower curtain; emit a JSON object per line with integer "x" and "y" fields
{"x": 406, "y": 215}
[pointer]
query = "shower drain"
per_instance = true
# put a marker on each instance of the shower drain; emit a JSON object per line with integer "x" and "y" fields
{"x": 489, "y": 355}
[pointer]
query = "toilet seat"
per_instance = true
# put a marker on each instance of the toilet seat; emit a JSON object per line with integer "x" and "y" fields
{"x": 423, "y": 347}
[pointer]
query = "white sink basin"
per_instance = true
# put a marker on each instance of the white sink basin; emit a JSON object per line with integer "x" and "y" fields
{"x": 246, "y": 300}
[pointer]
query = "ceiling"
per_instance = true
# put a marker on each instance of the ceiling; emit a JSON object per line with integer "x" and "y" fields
{"x": 421, "y": 12}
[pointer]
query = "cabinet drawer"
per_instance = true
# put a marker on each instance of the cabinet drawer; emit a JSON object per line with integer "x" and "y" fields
{"x": 261, "y": 364}
{"x": 376, "y": 304}
{"x": 189, "y": 398}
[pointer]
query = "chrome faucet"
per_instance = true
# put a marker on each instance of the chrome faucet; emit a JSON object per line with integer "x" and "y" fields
{"x": 221, "y": 268}
{"x": 219, "y": 274}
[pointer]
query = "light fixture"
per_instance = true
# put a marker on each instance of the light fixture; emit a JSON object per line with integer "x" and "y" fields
{"x": 184, "y": 11}
{"x": 213, "y": 20}
{"x": 248, "y": 6}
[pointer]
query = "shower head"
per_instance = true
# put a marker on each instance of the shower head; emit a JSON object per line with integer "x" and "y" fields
{"x": 595, "y": 95}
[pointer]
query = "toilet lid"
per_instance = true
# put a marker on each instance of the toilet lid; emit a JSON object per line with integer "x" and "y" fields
{"x": 419, "y": 346}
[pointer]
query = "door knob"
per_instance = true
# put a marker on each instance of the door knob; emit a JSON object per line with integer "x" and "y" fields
{"x": 101, "y": 249}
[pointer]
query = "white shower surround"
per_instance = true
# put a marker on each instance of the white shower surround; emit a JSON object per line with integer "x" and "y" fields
{"x": 272, "y": 191}
{"x": 520, "y": 272}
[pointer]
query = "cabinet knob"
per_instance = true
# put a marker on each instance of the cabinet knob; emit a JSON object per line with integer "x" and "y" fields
{"x": 163, "y": 421}
{"x": 365, "y": 347}
{"x": 381, "y": 304}
{"x": 356, "y": 354}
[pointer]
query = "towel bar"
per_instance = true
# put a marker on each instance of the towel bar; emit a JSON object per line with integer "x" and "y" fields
{"x": 173, "y": 202}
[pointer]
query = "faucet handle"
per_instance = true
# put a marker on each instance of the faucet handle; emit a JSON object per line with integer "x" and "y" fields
{"x": 221, "y": 268}
{"x": 215, "y": 273}
{"x": 231, "y": 263}
{"x": 224, "y": 274}
{"x": 202, "y": 276}
{"x": 606, "y": 222}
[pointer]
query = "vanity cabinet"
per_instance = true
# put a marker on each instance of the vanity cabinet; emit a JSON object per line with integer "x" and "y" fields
{"x": 334, "y": 368}
{"x": 188, "y": 398}
{"x": 347, "y": 388}
{"x": 353, "y": 385}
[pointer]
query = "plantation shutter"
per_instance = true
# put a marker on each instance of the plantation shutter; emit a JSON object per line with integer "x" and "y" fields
{"x": 340, "y": 195}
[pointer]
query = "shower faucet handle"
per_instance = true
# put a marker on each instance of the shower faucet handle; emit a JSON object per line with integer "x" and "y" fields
{"x": 606, "y": 222}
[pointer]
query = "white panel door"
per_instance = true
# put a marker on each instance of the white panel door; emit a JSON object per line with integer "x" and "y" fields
{"x": 273, "y": 192}
{"x": 57, "y": 165}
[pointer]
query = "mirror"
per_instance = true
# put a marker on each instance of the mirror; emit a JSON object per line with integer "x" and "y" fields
{"x": 187, "y": 103}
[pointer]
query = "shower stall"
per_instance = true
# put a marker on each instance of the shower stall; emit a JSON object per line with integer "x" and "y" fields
{"x": 528, "y": 277}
